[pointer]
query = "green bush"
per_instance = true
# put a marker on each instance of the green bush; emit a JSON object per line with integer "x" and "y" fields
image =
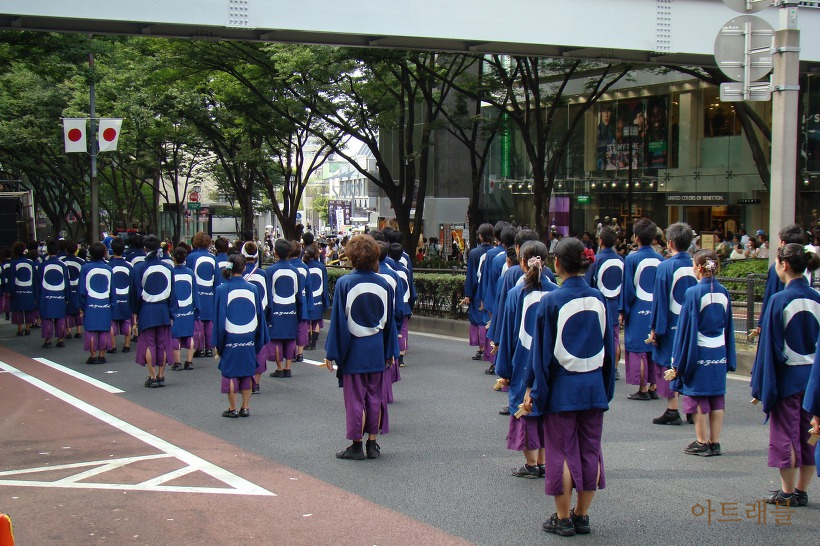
{"x": 740, "y": 270}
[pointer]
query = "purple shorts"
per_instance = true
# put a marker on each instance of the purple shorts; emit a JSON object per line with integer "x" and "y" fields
{"x": 365, "y": 406}
{"x": 276, "y": 350}
{"x": 203, "y": 334}
{"x": 663, "y": 389}
{"x": 634, "y": 362}
{"x": 525, "y": 433}
{"x": 157, "y": 341}
{"x": 121, "y": 327}
{"x": 72, "y": 321}
{"x": 788, "y": 432}
{"x": 22, "y": 317}
{"x": 53, "y": 328}
{"x": 616, "y": 333}
{"x": 239, "y": 384}
{"x": 706, "y": 404}
{"x": 97, "y": 341}
{"x": 5, "y": 303}
{"x": 316, "y": 325}
{"x": 478, "y": 333}
{"x": 574, "y": 437}
{"x": 179, "y": 343}
{"x": 403, "y": 335}
{"x": 303, "y": 333}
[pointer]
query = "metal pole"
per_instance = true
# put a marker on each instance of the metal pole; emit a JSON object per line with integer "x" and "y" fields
{"x": 95, "y": 184}
{"x": 785, "y": 80}
{"x": 629, "y": 218}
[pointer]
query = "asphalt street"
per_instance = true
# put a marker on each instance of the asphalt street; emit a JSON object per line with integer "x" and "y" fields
{"x": 444, "y": 462}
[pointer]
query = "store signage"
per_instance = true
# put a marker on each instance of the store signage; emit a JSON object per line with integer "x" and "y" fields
{"x": 748, "y": 201}
{"x": 697, "y": 199}
{"x": 583, "y": 199}
{"x": 194, "y": 206}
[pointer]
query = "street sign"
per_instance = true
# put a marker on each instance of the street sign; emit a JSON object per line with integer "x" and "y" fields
{"x": 743, "y": 48}
{"x": 583, "y": 199}
{"x": 193, "y": 197}
{"x": 748, "y": 6}
{"x": 194, "y": 206}
{"x": 737, "y": 91}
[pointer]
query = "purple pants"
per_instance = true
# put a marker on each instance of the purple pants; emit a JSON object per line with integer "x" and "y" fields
{"x": 72, "y": 321}
{"x": 157, "y": 341}
{"x": 303, "y": 333}
{"x": 387, "y": 386}
{"x": 100, "y": 341}
{"x": 53, "y": 328}
{"x": 478, "y": 335}
{"x": 276, "y": 350}
{"x": 365, "y": 407}
{"x": 121, "y": 327}
{"x": 706, "y": 404}
{"x": 239, "y": 384}
{"x": 662, "y": 384}
{"x": 574, "y": 437}
{"x": 317, "y": 323}
{"x": 203, "y": 334}
{"x": 633, "y": 363}
{"x": 525, "y": 433}
{"x": 788, "y": 432}
{"x": 403, "y": 335}
{"x": 488, "y": 356}
{"x": 5, "y": 303}
{"x": 23, "y": 317}
{"x": 179, "y": 343}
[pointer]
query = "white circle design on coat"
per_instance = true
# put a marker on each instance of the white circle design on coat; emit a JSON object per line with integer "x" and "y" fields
{"x": 163, "y": 271}
{"x": 799, "y": 305}
{"x": 642, "y": 294}
{"x": 529, "y": 301}
{"x": 248, "y": 327}
{"x": 316, "y": 272}
{"x": 360, "y": 290}
{"x": 202, "y": 281}
{"x": 185, "y": 278}
{"x": 682, "y": 272}
{"x": 610, "y": 293}
{"x": 713, "y": 298}
{"x": 89, "y": 280}
{"x": 566, "y": 359}
{"x": 27, "y": 278}
{"x": 122, "y": 270}
{"x": 53, "y": 287}
{"x": 284, "y": 274}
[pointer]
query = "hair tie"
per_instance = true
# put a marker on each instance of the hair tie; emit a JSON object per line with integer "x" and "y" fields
{"x": 710, "y": 265}
{"x": 810, "y": 248}
{"x": 229, "y": 266}
{"x": 589, "y": 255}
{"x": 535, "y": 261}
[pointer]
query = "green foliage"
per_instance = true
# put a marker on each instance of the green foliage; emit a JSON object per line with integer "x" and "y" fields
{"x": 740, "y": 270}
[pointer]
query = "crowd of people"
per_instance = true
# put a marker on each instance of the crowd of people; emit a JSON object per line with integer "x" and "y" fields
{"x": 556, "y": 349}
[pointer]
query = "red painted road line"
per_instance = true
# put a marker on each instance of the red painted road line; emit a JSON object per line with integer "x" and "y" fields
{"x": 37, "y": 430}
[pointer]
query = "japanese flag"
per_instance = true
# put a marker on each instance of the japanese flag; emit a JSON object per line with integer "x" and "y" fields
{"x": 74, "y": 134}
{"x": 109, "y": 133}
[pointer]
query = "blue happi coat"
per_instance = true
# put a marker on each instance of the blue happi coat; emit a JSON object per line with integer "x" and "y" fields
{"x": 318, "y": 289}
{"x": 285, "y": 302}
{"x": 607, "y": 275}
{"x": 508, "y": 279}
{"x": 188, "y": 303}
{"x": 206, "y": 279}
{"x": 788, "y": 344}
{"x": 489, "y": 274}
{"x": 636, "y": 298}
{"x": 409, "y": 290}
{"x": 96, "y": 296}
{"x": 239, "y": 327}
{"x": 704, "y": 350}
{"x": 307, "y": 302}
{"x": 362, "y": 336}
{"x": 122, "y": 288}
{"x": 22, "y": 285}
{"x": 74, "y": 265}
{"x": 152, "y": 293}
{"x": 398, "y": 292}
{"x": 572, "y": 361}
{"x": 517, "y": 325}
{"x": 52, "y": 277}
{"x": 256, "y": 276}
{"x": 673, "y": 278}
{"x": 475, "y": 260}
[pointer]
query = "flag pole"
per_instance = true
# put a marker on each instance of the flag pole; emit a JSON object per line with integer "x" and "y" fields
{"x": 95, "y": 185}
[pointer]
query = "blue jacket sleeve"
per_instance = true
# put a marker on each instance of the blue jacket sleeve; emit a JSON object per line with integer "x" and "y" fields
{"x": 660, "y": 301}
{"x": 538, "y": 369}
{"x": 506, "y": 341}
{"x": 684, "y": 350}
{"x": 811, "y": 401}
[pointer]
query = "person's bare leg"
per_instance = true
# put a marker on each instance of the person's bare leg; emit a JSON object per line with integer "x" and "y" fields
{"x": 563, "y": 502}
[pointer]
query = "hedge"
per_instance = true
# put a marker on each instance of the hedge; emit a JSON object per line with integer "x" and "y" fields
{"x": 740, "y": 269}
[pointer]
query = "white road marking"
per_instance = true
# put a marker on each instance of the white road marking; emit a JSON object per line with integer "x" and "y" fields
{"x": 313, "y": 362}
{"x": 237, "y": 485}
{"x": 78, "y": 375}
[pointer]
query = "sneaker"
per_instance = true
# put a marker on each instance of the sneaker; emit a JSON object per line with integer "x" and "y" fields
{"x": 299, "y": 358}
{"x": 527, "y": 471}
{"x": 151, "y": 383}
{"x": 255, "y": 389}
{"x": 581, "y": 523}
{"x": 176, "y": 367}
{"x": 505, "y": 410}
{"x": 715, "y": 448}
{"x": 160, "y": 381}
{"x": 542, "y": 471}
{"x": 690, "y": 418}
{"x": 278, "y": 373}
{"x": 126, "y": 349}
{"x": 783, "y": 499}
{"x": 231, "y": 413}
{"x": 639, "y": 396}
{"x": 78, "y": 335}
{"x": 188, "y": 365}
{"x": 101, "y": 360}
{"x": 490, "y": 370}
{"x": 91, "y": 360}
{"x": 135, "y": 338}
{"x": 563, "y": 527}
{"x": 653, "y": 395}
{"x": 287, "y": 373}
{"x": 244, "y": 412}
{"x": 479, "y": 355}
{"x": 617, "y": 374}
{"x": 61, "y": 344}
{"x": 354, "y": 451}
{"x": 198, "y": 354}
{"x": 209, "y": 353}
{"x": 669, "y": 417}
{"x": 801, "y": 498}
{"x": 401, "y": 361}
{"x": 373, "y": 449}
{"x": 46, "y": 345}
{"x": 697, "y": 448}
{"x": 20, "y": 333}
{"x": 112, "y": 351}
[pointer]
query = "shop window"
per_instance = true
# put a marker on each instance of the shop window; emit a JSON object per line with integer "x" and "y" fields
{"x": 719, "y": 119}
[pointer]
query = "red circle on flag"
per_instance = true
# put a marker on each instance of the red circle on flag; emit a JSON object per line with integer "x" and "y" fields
{"x": 109, "y": 134}
{"x": 74, "y": 135}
